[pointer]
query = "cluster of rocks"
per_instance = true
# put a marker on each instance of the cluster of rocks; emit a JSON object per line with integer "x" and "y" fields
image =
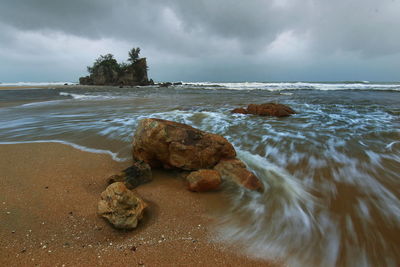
{"x": 266, "y": 109}
{"x": 208, "y": 159}
{"x": 171, "y": 145}
{"x": 168, "y": 84}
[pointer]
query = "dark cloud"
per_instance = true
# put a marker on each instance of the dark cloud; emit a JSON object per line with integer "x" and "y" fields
{"x": 241, "y": 40}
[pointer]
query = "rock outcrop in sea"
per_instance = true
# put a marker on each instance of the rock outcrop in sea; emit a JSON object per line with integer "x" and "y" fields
{"x": 267, "y": 109}
{"x": 107, "y": 71}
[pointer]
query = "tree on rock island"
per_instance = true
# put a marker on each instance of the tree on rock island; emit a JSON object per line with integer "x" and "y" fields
{"x": 134, "y": 55}
{"x": 107, "y": 71}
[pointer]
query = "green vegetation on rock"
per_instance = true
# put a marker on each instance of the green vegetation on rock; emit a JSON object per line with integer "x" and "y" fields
{"x": 107, "y": 71}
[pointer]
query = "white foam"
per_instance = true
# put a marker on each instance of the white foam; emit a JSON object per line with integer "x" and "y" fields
{"x": 88, "y": 96}
{"x": 40, "y": 103}
{"x": 278, "y": 86}
{"x": 79, "y": 147}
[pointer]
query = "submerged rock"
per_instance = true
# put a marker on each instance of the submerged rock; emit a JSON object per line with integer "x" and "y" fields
{"x": 169, "y": 144}
{"x": 166, "y": 84}
{"x": 121, "y": 207}
{"x": 137, "y": 174}
{"x": 267, "y": 109}
{"x": 235, "y": 170}
{"x": 204, "y": 180}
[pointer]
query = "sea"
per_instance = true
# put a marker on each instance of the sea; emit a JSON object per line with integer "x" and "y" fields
{"x": 331, "y": 171}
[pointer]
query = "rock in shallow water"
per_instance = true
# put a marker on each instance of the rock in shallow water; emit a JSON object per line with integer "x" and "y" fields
{"x": 204, "y": 180}
{"x": 121, "y": 207}
{"x": 169, "y": 144}
{"x": 267, "y": 109}
{"x": 235, "y": 170}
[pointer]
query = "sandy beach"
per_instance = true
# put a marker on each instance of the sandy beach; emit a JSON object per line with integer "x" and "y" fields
{"x": 48, "y": 202}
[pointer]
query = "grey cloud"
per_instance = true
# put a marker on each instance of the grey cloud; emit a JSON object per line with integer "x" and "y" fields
{"x": 370, "y": 26}
{"x": 203, "y": 32}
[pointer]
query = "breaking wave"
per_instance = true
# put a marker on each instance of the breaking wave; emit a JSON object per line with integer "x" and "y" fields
{"x": 278, "y": 86}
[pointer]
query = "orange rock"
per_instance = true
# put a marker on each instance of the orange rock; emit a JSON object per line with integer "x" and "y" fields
{"x": 204, "y": 180}
{"x": 169, "y": 144}
{"x": 270, "y": 109}
{"x": 235, "y": 170}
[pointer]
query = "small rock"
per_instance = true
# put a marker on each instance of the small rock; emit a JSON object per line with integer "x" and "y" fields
{"x": 235, "y": 170}
{"x": 121, "y": 207}
{"x": 23, "y": 250}
{"x": 133, "y": 248}
{"x": 137, "y": 174}
{"x": 204, "y": 180}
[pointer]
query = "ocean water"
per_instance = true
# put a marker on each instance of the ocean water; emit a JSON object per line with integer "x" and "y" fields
{"x": 331, "y": 172}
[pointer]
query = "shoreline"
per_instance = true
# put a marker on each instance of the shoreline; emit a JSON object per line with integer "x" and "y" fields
{"x": 48, "y": 199}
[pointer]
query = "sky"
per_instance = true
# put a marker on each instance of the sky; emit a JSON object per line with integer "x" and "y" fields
{"x": 204, "y": 40}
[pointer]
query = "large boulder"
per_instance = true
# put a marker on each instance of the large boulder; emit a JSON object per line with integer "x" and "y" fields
{"x": 137, "y": 174}
{"x": 267, "y": 109}
{"x": 121, "y": 207}
{"x": 204, "y": 180}
{"x": 169, "y": 144}
{"x": 235, "y": 170}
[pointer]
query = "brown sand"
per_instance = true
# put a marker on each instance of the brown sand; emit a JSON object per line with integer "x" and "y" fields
{"x": 48, "y": 202}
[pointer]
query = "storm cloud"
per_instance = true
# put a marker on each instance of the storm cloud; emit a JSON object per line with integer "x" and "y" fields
{"x": 204, "y": 40}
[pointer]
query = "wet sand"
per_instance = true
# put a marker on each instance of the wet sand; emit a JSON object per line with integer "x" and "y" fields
{"x": 48, "y": 203}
